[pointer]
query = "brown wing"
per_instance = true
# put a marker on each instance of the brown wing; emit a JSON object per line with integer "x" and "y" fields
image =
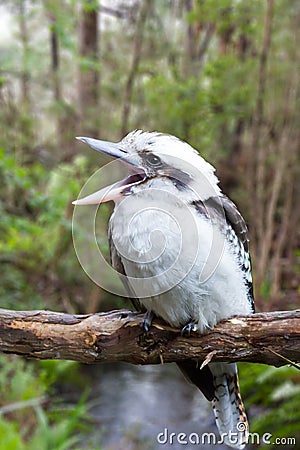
{"x": 236, "y": 220}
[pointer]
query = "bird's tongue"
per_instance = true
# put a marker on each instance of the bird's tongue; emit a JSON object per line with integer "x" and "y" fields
{"x": 112, "y": 192}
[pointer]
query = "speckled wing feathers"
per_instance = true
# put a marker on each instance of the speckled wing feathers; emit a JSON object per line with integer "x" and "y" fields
{"x": 222, "y": 211}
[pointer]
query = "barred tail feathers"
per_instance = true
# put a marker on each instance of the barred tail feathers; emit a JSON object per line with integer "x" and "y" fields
{"x": 228, "y": 406}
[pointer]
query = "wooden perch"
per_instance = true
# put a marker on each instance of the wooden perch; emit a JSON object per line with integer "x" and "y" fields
{"x": 270, "y": 338}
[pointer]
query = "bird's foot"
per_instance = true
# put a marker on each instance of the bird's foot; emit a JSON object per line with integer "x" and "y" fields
{"x": 147, "y": 321}
{"x": 188, "y": 328}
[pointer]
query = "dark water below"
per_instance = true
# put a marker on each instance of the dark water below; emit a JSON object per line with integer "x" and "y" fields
{"x": 131, "y": 405}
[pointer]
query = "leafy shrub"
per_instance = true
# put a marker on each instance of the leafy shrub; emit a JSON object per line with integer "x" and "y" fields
{"x": 30, "y": 416}
{"x": 273, "y": 394}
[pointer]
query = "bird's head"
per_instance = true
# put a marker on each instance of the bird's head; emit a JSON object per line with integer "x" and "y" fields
{"x": 154, "y": 156}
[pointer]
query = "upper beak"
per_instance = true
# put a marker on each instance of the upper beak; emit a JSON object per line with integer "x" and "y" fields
{"x": 116, "y": 190}
{"x": 110, "y": 148}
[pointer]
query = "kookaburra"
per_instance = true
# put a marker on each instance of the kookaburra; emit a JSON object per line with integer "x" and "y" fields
{"x": 182, "y": 248}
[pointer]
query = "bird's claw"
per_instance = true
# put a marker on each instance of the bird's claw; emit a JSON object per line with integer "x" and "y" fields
{"x": 188, "y": 328}
{"x": 147, "y": 321}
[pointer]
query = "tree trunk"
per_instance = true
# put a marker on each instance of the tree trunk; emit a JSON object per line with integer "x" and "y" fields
{"x": 257, "y": 158}
{"x": 25, "y": 151}
{"x": 55, "y": 60}
{"x": 88, "y": 89}
{"x": 25, "y": 51}
{"x": 137, "y": 49}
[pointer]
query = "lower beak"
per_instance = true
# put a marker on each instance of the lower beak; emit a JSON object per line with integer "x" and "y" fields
{"x": 113, "y": 192}
{"x": 116, "y": 190}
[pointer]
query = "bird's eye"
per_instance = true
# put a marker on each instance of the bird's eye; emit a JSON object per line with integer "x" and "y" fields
{"x": 153, "y": 160}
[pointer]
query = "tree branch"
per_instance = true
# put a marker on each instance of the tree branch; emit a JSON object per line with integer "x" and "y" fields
{"x": 270, "y": 338}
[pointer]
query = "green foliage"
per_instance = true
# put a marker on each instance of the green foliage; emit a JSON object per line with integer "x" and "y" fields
{"x": 179, "y": 106}
{"x": 275, "y": 394}
{"x": 200, "y": 109}
{"x": 30, "y": 416}
{"x": 10, "y": 436}
{"x": 58, "y": 432}
{"x": 35, "y": 226}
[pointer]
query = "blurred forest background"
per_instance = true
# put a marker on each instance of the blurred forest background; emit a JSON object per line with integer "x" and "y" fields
{"x": 223, "y": 75}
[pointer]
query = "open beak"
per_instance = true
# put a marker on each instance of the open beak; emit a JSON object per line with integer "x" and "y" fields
{"x": 117, "y": 190}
